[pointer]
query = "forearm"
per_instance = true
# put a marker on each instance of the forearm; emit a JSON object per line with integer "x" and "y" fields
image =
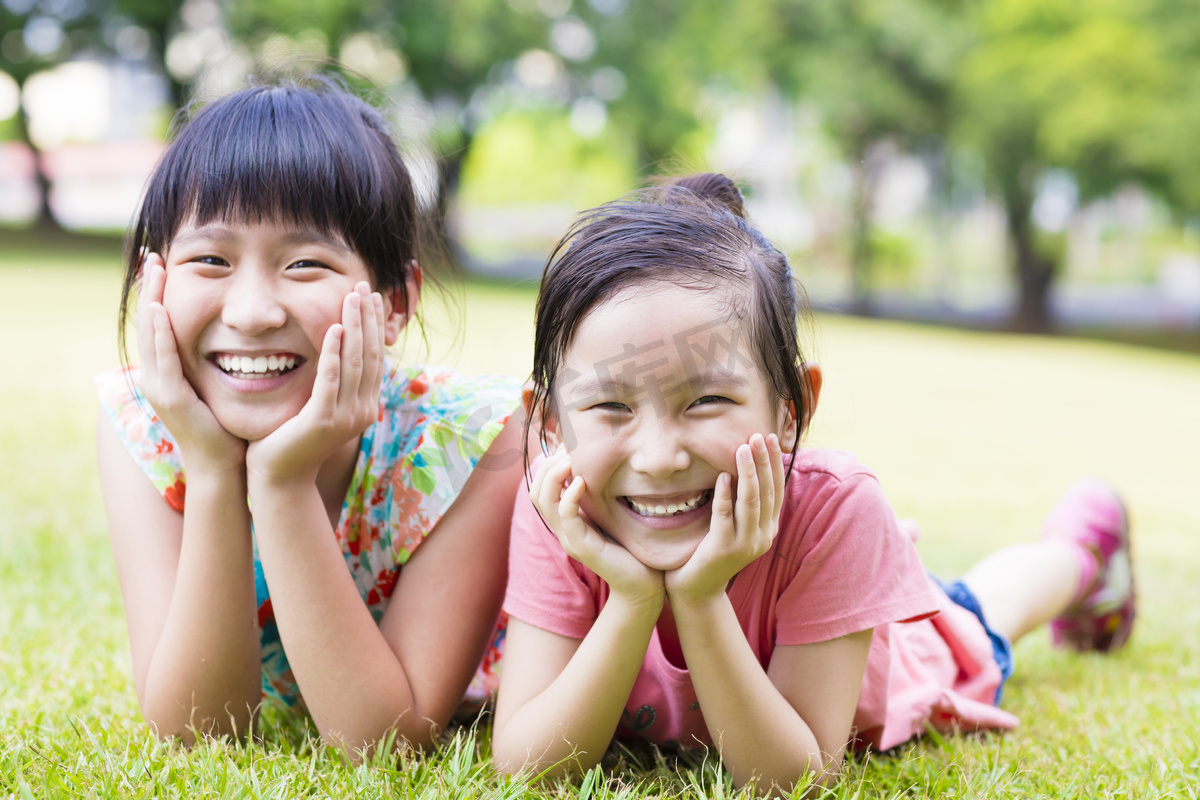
{"x": 754, "y": 728}
{"x": 205, "y": 672}
{"x": 567, "y": 728}
{"x": 354, "y": 685}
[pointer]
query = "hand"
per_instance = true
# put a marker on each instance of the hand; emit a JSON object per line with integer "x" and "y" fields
{"x": 628, "y": 578}
{"x": 203, "y": 443}
{"x": 740, "y": 532}
{"x": 345, "y": 395}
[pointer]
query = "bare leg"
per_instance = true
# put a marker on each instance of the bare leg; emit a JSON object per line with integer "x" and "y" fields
{"x": 1024, "y": 586}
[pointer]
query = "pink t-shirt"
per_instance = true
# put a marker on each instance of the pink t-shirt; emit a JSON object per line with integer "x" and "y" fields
{"x": 839, "y": 565}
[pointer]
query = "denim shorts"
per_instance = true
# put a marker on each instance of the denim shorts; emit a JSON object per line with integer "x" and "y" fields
{"x": 1001, "y": 647}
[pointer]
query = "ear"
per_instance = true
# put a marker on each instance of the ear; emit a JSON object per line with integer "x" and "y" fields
{"x": 546, "y": 422}
{"x": 811, "y": 380}
{"x": 396, "y": 312}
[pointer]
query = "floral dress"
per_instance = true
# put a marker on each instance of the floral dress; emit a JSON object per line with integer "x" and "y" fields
{"x": 433, "y": 427}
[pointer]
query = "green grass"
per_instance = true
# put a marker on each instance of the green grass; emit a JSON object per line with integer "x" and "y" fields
{"x": 972, "y": 434}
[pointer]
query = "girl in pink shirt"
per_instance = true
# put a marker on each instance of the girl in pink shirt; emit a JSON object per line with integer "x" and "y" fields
{"x": 681, "y": 571}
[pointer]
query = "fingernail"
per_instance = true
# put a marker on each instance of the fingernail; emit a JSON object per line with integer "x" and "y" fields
{"x": 355, "y": 301}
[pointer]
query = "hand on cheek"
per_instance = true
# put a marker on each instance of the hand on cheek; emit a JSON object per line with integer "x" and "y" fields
{"x": 556, "y": 495}
{"x": 742, "y": 529}
{"x": 203, "y": 443}
{"x": 345, "y": 395}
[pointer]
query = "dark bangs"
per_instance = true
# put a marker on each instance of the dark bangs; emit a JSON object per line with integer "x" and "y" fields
{"x": 304, "y": 154}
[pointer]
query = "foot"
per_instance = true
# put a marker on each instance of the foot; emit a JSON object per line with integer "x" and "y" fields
{"x": 1092, "y": 516}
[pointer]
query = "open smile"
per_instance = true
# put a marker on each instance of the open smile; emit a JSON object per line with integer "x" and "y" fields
{"x": 671, "y": 506}
{"x": 256, "y": 367}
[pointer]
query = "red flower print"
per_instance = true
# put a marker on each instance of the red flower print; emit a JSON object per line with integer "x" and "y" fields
{"x": 265, "y": 613}
{"x": 174, "y": 494}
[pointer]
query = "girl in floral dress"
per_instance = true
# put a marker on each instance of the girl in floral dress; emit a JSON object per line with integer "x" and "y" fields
{"x": 295, "y": 518}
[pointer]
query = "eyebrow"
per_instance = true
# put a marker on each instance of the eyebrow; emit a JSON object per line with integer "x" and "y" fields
{"x": 714, "y": 381}
{"x": 223, "y": 234}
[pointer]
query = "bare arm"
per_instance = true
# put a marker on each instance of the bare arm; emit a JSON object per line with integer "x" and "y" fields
{"x": 777, "y": 725}
{"x": 409, "y": 673}
{"x": 359, "y": 680}
{"x": 793, "y": 719}
{"x": 561, "y": 698}
{"x": 187, "y": 580}
{"x": 188, "y": 590}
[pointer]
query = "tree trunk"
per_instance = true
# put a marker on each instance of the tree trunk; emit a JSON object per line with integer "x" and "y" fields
{"x": 446, "y": 248}
{"x": 1034, "y": 272}
{"x": 872, "y": 157}
{"x": 860, "y": 244}
{"x": 45, "y": 220}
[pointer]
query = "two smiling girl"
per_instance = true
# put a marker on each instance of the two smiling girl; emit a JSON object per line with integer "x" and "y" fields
{"x": 323, "y": 528}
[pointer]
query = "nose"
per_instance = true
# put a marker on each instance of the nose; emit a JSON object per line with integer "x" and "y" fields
{"x": 252, "y": 304}
{"x": 659, "y": 450}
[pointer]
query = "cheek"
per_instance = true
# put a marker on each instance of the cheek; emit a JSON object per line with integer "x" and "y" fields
{"x": 189, "y": 308}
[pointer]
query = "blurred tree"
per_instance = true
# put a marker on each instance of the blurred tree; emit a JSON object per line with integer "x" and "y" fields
{"x": 451, "y": 49}
{"x": 36, "y": 35}
{"x": 1055, "y": 84}
{"x": 881, "y": 72}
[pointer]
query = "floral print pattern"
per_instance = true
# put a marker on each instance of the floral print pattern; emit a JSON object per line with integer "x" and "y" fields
{"x": 433, "y": 427}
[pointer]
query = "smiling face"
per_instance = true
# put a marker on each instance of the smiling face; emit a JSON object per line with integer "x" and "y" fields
{"x": 250, "y": 305}
{"x": 657, "y": 389}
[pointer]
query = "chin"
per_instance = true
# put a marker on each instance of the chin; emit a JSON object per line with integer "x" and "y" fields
{"x": 250, "y": 428}
{"x": 667, "y": 558}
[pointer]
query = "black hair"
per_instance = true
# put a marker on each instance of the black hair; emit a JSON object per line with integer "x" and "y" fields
{"x": 694, "y": 233}
{"x": 302, "y": 151}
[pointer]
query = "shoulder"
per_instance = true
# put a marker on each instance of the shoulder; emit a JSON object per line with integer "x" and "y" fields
{"x": 829, "y": 485}
{"x": 141, "y": 432}
{"x": 443, "y": 390}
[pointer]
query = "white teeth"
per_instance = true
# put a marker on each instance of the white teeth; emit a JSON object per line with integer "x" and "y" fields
{"x": 257, "y": 366}
{"x": 668, "y": 509}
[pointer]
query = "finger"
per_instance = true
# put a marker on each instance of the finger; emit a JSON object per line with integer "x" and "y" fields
{"x": 766, "y": 481}
{"x": 749, "y": 499}
{"x": 166, "y": 350}
{"x": 572, "y": 532}
{"x": 150, "y": 290}
{"x": 369, "y": 388}
{"x": 329, "y": 371}
{"x": 722, "y": 513}
{"x": 554, "y": 472}
{"x": 778, "y": 475}
{"x": 352, "y": 348}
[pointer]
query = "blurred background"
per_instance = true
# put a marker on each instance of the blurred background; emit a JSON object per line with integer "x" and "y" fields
{"x": 1018, "y": 164}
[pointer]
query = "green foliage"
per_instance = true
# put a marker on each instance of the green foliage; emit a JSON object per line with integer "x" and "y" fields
{"x": 450, "y": 48}
{"x": 1061, "y": 84}
{"x": 535, "y": 157}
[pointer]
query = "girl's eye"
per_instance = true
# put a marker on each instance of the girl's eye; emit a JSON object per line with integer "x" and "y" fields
{"x": 611, "y": 405}
{"x": 709, "y": 399}
{"x": 307, "y": 263}
{"x": 215, "y": 261}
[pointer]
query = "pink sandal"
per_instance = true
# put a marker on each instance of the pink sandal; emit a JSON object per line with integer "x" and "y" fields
{"x": 1092, "y": 515}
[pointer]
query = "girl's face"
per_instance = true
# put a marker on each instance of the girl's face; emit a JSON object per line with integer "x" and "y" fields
{"x": 250, "y": 304}
{"x": 658, "y": 388}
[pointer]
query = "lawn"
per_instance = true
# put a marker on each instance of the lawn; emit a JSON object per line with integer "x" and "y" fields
{"x": 972, "y": 434}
